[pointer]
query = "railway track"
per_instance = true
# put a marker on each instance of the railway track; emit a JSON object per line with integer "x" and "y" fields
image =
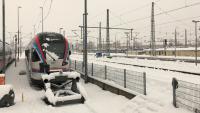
{"x": 173, "y": 70}
{"x": 162, "y": 59}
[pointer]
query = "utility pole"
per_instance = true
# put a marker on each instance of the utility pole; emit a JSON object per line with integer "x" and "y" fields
{"x": 196, "y": 41}
{"x": 3, "y": 22}
{"x": 100, "y": 45}
{"x": 85, "y": 41}
{"x": 133, "y": 40}
{"x": 103, "y": 45}
{"x": 18, "y": 33}
{"x": 20, "y": 41}
{"x": 153, "y": 52}
{"x": 115, "y": 43}
{"x": 42, "y": 20}
{"x": 15, "y": 42}
{"x": 175, "y": 42}
{"x": 108, "y": 35}
{"x": 127, "y": 42}
{"x": 83, "y": 28}
{"x": 185, "y": 38}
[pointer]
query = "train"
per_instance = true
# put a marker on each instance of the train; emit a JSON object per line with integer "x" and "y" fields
{"x": 48, "y": 66}
{"x": 47, "y": 50}
{"x": 9, "y": 55}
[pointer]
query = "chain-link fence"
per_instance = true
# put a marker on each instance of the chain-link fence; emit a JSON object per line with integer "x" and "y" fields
{"x": 186, "y": 95}
{"x": 135, "y": 81}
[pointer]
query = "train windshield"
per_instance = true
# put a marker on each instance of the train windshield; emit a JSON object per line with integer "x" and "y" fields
{"x": 53, "y": 46}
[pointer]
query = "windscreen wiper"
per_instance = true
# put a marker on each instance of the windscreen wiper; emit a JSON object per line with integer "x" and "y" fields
{"x": 50, "y": 56}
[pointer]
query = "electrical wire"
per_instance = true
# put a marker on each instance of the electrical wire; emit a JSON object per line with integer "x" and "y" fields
{"x": 169, "y": 11}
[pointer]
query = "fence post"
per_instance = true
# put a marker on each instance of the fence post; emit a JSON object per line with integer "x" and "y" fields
{"x": 175, "y": 86}
{"x": 105, "y": 72}
{"x": 75, "y": 64}
{"x": 144, "y": 82}
{"x": 124, "y": 78}
{"x": 92, "y": 70}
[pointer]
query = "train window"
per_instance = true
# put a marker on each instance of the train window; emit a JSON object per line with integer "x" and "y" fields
{"x": 35, "y": 56}
{"x": 54, "y": 46}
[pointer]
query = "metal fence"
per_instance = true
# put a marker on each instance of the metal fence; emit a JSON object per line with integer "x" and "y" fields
{"x": 135, "y": 81}
{"x": 186, "y": 95}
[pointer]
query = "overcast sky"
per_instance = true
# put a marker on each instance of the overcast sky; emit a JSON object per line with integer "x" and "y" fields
{"x": 123, "y": 13}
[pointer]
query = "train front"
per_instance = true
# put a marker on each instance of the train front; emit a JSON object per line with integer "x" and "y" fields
{"x": 50, "y": 54}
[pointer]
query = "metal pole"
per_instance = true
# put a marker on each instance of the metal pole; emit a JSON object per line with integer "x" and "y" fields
{"x": 3, "y": 22}
{"x": 108, "y": 34}
{"x": 127, "y": 42}
{"x": 115, "y": 43}
{"x": 185, "y": 37}
{"x": 83, "y": 41}
{"x": 100, "y": 45}
{"x": 175, "y": 42}
{"x": 196, "y": 41}
{"x": 153, "y": 32}
{"x": 18, "y": 33}
{"x": 86, "y": 63}
{"x": 124, "y": 78}
{"x": 15, "y": 50}
{"x": 20, "y": 43}
{"x": 132, "y": 39}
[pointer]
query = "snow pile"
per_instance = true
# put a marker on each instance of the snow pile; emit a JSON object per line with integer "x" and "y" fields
{"x": 49, "y": 94}
{"x": 73, "y": 75}
{"x": 5, "y": 89}
{"x": 144, "y": 104}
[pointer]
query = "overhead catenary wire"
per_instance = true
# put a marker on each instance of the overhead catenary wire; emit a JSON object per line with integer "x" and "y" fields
{"x": 45, "y": 17}
{"x": 158, "y": 14}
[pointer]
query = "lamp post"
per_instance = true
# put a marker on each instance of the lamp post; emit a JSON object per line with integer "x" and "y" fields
{"x": 3, "y": 25}
{"x": 18, "y": 33}
{"x": 85, "y": 42}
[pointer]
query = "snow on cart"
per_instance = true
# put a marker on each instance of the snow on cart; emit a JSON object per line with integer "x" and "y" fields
{"x": 71, "y": 91}
{"x": 7, "y": 94}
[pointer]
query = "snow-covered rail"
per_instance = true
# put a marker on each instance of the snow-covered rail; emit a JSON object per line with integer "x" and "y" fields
{"x": 152, "y": 67}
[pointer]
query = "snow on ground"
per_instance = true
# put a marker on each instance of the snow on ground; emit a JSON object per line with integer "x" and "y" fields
{"x": 159, "y": 86}
{"x": 177, "y": 65}
{"x": 99, "y": 101}
{"x": 158, "y": 56}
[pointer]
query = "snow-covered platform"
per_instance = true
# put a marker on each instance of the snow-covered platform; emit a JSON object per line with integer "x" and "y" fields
{"x": 29, "y": 99}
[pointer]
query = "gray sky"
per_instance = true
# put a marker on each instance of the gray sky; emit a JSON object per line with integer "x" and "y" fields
{"x": 68, "y": 14}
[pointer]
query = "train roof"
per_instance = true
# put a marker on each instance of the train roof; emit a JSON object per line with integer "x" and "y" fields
{"x": 44, "y": 33}
{"x": 47, "y": 33}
